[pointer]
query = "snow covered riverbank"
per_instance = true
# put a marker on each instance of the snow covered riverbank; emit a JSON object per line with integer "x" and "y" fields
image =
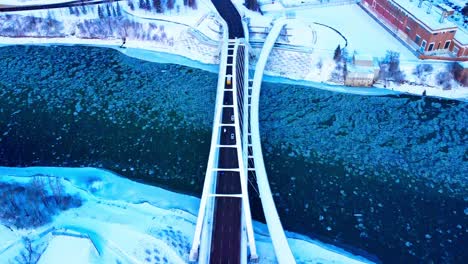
{"x": 196, "y": 34}
{"x": 127, "y": 222}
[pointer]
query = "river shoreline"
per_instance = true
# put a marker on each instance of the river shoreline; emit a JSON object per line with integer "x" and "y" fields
{"x": 163, "y": 56}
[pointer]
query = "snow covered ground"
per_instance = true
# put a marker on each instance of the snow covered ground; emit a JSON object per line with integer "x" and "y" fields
{"x": 122, "y": 221}
{"x": 364, "y": 36}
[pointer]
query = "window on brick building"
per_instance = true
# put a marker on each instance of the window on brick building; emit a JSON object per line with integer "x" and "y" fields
{"x": 447, "y": 44}
{"x": 431, "y": 46}
{"x": 408, "y": 30}
{"x": 423, "y": 45}
{"x": 417, "y": 39}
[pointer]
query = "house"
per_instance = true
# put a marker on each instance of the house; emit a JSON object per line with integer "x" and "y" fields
{"x": 362, "y": 71}
{"x": 423, "y": 26}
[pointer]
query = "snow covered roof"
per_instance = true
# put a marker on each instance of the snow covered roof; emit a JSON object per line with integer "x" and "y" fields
{"x": 461, "y": 36}
{"x": 363, "y": 57}
{"x": 431, "y": 20}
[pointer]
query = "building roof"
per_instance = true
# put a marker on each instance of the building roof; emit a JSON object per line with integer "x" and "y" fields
{"x": 431, "y": 20}
{"x": 361, "y": 69}
{"x": 461, "y": 36}
{"x": 363, "y": 57}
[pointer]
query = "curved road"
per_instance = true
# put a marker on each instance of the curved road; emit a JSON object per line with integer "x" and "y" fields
{"x": 229, "y": 13}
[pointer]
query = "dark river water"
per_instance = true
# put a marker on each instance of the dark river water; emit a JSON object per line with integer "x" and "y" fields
{"x": 386, "y": 175}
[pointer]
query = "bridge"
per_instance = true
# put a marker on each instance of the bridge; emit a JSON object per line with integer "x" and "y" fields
{"x": 224, "y": 231}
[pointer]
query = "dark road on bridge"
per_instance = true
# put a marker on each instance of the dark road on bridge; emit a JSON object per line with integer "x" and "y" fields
{"x": 226, "y": 237}
{"x": 227, "y": 224}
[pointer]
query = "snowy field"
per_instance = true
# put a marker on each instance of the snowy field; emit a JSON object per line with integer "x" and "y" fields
{"x": 364, "y": 35}
{"x": 121, "y": 221}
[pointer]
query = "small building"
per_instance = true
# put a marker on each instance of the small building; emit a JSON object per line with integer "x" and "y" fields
{"x": 423, "y": 26}
{"x": 362, "y": 71}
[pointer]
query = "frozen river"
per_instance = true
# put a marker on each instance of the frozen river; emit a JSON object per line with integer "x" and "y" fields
{"x": 385, "y": 174}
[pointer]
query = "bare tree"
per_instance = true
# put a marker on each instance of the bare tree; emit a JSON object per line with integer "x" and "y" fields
{"x": 56, "y": 188}
{"x": 157, "y": 5}
{"x": 252, "y": 5}
{"x": 30, "y": 254}
{"x": 337, "y": 54}
{"x": 390, "y": 68}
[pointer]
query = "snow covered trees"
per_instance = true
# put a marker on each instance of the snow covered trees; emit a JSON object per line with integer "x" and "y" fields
{"x": 170, "y": 4}
{"x": 337, "y": 54}
{"x": 252, "y": 5}
{"x": 191, "y": 3}
{"x": 33, "y": 204}
{"x": 29, "y": 26}
{"x": 131, "y": 5}
{"x": 390, "y": 68}
{"x": 160, "y": 6}
{"x": 157, "y": 5}
{"x": 340, "y": 56}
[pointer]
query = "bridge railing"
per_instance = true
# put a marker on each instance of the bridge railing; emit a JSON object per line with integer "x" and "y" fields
{"x": 279, "y": 240}
{"x": 205, "y": 213}
{"x": 240, "y": 113}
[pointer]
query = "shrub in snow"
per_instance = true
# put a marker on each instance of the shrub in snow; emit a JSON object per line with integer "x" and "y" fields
{"x": 422, "y": 70}
{"x": 444, "y": 79}
{"x": 34, "y": 204}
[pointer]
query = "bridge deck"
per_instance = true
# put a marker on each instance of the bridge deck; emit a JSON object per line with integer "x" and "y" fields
{"x": 227, "y": 221}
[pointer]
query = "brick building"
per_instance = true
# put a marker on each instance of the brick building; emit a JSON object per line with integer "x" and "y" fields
{"x": 423, "y": 26}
